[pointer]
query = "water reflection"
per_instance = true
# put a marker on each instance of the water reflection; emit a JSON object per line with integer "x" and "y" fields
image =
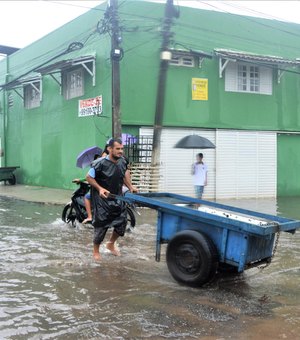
{"x": 51, "y": 288}
{"x": 289, "y": 206}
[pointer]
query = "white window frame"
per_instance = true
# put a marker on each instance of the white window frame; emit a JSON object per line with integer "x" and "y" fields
{"x": 184, "y": 60}
{"x": 248, "y": 78}
{"x": 32, "y": 94}
{"x": 73, "y": 84}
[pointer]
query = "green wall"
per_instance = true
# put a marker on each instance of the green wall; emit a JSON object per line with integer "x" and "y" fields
{"x": 206, "y": 31}
{"x": 45, "y": 141}
{"x": 288, "y": 164}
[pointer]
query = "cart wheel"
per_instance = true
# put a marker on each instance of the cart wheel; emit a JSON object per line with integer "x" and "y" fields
{"x": 192, "y": 258}
{"x": 68, "y": 215}
{"x": 12, "y": 180}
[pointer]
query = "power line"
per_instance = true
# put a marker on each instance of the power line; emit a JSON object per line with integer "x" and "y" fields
{"x": 196, "y": 39}
{"x": 253, "y": 19}
{"x": 236, "y": 36}
{"x": 250, "y": 10}
{"x": 59, "y": 51}
{"x": 268, "y": 16}
{"x": 266, "y": 42}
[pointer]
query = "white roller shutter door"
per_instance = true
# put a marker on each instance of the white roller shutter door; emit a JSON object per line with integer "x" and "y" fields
{"x": 243, "y": 165}
{"x": 246, "y": 164}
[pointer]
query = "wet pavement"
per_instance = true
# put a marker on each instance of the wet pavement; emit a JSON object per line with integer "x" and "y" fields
{"x": 36, "y": 193}
{"x": 51, "y": 288}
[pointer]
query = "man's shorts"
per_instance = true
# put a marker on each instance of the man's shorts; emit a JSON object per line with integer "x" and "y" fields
{"x": 199, "y": 191}
{"x": 119, "y": 226}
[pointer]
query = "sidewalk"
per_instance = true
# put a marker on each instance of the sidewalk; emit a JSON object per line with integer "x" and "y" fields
{"x": 36, "y": 194}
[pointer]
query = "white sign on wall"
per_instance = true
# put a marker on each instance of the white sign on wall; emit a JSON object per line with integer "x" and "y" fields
{"x": 90, "y": 107}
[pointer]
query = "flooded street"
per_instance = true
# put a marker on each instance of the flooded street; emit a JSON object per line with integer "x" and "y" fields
{"x": 51, "y": 288}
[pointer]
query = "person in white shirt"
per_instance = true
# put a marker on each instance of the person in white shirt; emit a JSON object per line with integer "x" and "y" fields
{"x": 199, "y": 172}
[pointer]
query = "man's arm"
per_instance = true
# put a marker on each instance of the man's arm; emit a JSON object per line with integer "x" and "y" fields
{"x": 193, "y": 169}
{"x": 102, "y": 192}
{"x": 78, "y": 180}
{"x": 205, "y": 181}
{"x": 127, "y": 182}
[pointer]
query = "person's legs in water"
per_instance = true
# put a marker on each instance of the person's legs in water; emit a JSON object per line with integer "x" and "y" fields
{"x": 110, "y": 245}
{"x": 119, "y": 230}
{"x": 100, "y": 229}
{"x": 99, "y": 234}
{"x": 96, "y": 253}
{"x": 88, "y": 208}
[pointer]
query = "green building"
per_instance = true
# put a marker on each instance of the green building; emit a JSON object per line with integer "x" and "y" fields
{"x": 232, "y": 79}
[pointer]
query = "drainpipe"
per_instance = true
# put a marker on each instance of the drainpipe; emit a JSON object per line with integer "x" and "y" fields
{"x": 5, "y": 113}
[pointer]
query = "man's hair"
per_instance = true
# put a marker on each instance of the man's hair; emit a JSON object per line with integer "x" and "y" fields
{"x": 200, "y": 154}
{"x": 112, "y": 141}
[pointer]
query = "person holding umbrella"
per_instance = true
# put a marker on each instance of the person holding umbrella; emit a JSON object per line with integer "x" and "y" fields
{"x": 87, "y": 197}
{"x": 199, "y": 169}
{"x": 199, "y": 172}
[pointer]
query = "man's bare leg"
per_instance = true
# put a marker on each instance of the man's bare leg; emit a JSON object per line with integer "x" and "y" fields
{"x": 110, "y": 245}
{"x": 96, "y": 253}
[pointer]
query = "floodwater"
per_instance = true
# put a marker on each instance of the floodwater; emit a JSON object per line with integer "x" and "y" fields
{"x": 51, "y": 288}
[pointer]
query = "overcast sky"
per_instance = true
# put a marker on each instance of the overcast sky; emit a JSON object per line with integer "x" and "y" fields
{"x": 23, "y": 22}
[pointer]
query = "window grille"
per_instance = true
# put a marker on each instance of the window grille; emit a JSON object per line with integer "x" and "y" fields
{"x": 182, "y": 60}
{"x": 138, "y": 150}
{"x": 32, "y": 95}
{"x": 73, "y": 85}
{"x": 143, "y": 175}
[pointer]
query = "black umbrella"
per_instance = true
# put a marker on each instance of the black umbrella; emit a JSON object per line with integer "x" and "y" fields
{"x": 194, "y": 142}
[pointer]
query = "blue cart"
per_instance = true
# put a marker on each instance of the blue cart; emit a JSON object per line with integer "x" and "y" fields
{"x": 204, "y": 237}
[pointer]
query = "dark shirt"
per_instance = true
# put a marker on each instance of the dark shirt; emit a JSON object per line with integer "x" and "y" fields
{"x": 110, "y": 175}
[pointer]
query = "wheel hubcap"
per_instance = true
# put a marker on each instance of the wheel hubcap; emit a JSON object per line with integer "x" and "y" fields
{"x": 187, "y": 258}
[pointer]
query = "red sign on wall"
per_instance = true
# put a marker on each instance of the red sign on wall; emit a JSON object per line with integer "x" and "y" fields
{"x": 90, "y": 107}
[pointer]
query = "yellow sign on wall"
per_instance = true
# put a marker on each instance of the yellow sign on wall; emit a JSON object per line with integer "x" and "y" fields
{"x": 199, "y": 89}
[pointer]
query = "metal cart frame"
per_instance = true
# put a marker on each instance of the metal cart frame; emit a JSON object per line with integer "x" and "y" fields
{"x": 200, "y": 242}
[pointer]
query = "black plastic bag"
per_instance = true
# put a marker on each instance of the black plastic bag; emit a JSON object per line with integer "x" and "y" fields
{"x": 108, "y": 210}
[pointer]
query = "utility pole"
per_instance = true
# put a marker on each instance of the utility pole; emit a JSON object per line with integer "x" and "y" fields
{"x": 116, "y": 55}
{"x": 165, "y": 56}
